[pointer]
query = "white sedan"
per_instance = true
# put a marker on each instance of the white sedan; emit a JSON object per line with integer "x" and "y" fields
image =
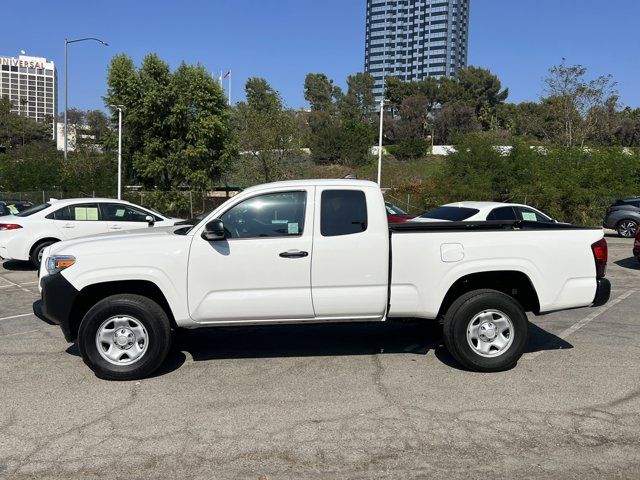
{"x": 481, "y": 211}
{"x": 26, "y": 235}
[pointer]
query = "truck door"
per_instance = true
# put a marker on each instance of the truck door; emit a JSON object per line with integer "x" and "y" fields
{"x": 262, "y": 269}
{"x": 350, "y": 267}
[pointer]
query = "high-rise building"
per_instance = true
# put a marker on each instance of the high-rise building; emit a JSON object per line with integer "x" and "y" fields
{"x": 414, "y": 39}
{"x": 31, "y": 83}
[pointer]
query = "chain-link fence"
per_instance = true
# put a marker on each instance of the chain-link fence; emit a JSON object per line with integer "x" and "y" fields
{"x": 179, "y": 204}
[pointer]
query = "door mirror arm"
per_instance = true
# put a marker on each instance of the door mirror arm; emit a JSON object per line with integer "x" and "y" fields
{"x": 214, "y": 231}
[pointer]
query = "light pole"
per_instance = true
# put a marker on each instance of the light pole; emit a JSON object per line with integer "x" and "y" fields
{"x": 66, "y": 91}
{"x": 119, "y": 108}
{"x": 380, "y": 143}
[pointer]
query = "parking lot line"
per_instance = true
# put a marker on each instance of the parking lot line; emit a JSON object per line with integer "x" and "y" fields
{"x": 16, "y": 285}
{"x": 16, "y": 316}
{"x": 585, "y": 321}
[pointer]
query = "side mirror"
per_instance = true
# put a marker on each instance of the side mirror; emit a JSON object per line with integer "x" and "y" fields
{"x": 150, "y": 220}
{"x": 214, "y": 230}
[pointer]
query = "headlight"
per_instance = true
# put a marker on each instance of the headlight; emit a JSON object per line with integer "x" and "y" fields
{"x": 57, "y": 263}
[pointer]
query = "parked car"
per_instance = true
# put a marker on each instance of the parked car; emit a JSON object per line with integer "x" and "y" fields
{"x": 396, "y": 214}
{"x": 315, "y": 251}
{"x": 479, "y": 211}
{"x": 26, "y": 235}
{"x": 624, "y": 217}
{"x": 13, "y": 207}
{"x": 636, "y": 246}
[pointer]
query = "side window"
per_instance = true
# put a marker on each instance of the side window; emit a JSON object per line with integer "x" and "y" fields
{"x": 118, "y": 212}
{"x": 270, "y": 215}
{"x": 342, "y": 212}
{"x": 83, "y": 212}
{"x": 502, "y": 213}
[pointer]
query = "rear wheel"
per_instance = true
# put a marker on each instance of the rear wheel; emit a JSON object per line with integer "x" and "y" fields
{"x": 36, "y": 252}
{"x": 627, "y": 228}
{"x": 486, "y": 331}
{"x": 124, "y": 337}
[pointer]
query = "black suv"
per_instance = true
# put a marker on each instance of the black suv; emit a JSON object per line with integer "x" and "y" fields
{"x": 624, "y": 216}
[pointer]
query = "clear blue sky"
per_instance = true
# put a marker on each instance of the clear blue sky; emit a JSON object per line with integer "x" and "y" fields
{"x": 283, "y": 40}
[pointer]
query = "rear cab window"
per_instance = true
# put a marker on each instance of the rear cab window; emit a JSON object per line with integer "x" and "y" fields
{"x": 342, "y": 212}
{"x": 452, "y": 214}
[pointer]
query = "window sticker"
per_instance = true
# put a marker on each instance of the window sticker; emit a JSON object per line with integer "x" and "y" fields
{"x": 80, "y": 213}
{"x": 120, "y": 212}
{"x": 278, "y": 222}
{"x": 293, "y": 229}
{"x": 529, "y": 216}
{"x": 85, "y": 214}
{"x": 12, "y": 209}
{"x": 92, "y": 214}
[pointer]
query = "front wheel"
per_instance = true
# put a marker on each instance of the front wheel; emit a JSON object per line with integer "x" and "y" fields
{"x": 486, "y": 331}
{"x": 627, "y": 228}
{"x": 124, "y": 337}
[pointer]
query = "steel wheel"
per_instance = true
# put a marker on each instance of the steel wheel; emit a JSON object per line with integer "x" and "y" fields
{"x": 122, "y": 340}
{"x": 627, "y": 228}
{"x": 490, "y": 333}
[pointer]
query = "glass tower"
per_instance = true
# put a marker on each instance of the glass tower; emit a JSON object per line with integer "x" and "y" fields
{"x": 414, "y": 39}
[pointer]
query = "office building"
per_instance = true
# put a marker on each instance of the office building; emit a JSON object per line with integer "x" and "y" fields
{"x": 31, "y": 84}
{"x": 414, "y": 39}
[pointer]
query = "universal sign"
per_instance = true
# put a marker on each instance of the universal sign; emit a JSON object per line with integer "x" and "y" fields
{"x": 14, "y": 62}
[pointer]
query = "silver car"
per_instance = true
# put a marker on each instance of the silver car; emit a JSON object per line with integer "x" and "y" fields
{"x": 624, "y": 217}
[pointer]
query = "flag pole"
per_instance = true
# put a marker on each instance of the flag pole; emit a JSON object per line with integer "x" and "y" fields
{"x": 230, "y": 87}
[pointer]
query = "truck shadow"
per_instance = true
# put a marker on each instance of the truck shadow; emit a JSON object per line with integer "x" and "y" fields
{"x": 630, "y": 263}
{"x": 412, "y": 337}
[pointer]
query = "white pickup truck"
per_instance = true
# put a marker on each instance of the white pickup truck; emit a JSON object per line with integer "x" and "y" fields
{"x": 315, "y": 251}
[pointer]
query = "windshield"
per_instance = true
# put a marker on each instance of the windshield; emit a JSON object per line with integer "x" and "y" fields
{"x": 393, "y": 210}
{"x": 452, "y": 214}
{"x": 32, "y": 210}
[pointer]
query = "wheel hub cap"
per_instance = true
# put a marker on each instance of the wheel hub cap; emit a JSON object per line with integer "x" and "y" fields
{"x": 487, "y": 331}
{"x": 490, "y": 333}
{"x": 122, "y": 340}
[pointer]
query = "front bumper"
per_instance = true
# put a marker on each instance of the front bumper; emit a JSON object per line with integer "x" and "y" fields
{"x": 56, "y": 303}
{"x": 603, "y": 292}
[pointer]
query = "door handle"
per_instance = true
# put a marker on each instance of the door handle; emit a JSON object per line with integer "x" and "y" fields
{"x": 115, "y": 227}
{"x": 68, "y": 225}
{"x": 294, "y": 254}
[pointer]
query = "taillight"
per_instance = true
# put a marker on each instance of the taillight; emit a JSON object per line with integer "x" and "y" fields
{"x": 9, "y": 226}
{"x": 600, "y": 254}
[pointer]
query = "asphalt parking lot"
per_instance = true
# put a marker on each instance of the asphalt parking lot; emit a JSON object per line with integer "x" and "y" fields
{"x": 330, "y": 401}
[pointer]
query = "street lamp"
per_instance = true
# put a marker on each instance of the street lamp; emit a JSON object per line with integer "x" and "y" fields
{"x": 119, "y": 108}
{"x": 380, "y": 143}
{"x": 66, "y": 93}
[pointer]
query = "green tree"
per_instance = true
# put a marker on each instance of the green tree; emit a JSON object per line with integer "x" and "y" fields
{"x": 18, "y": 130}
{"x": 576, "y": 98}
{"x": 268, "y": 135}
{"x": 483, "y": 91}
{"x": 176, "y": 124}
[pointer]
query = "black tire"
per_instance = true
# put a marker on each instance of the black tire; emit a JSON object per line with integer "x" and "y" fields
{"x": 144, "y": 310}
{"x": 36, "y": 252}
{"x": 458, "y": 319}
{"x": 627, "y": 228}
